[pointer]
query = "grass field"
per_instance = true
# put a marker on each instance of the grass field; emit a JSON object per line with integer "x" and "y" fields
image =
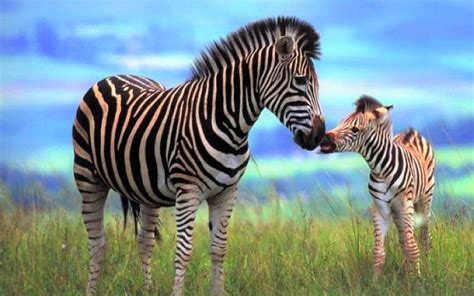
{"x": 274, "y": 249}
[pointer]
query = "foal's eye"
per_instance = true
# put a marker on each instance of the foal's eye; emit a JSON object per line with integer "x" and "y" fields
{"x": 301, "y": 80}
{"x": 355, "y": 129}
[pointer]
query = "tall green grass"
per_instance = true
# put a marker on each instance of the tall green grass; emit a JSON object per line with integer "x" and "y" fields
{"x": 275, "y": 248}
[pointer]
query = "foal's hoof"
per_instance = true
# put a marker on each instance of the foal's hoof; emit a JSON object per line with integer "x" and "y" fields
{"x": 218, "y": 292}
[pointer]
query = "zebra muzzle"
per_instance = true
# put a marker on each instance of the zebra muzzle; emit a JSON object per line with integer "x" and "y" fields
{"x": 310, "y": 141}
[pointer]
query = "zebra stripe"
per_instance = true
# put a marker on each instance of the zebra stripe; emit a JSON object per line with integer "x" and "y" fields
{"x": 183, "y": 145}
{"x": 401, "y": 178}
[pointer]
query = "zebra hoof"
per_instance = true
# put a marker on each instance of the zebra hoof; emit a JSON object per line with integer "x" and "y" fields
{"x": 218, "y": 292}
{"x": 91, "y": 291}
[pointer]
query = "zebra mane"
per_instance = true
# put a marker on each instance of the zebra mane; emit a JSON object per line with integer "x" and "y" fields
{"x": 408, "y": 135}
{"x": 367, "y": 103}
{"x": 239, "y": 44}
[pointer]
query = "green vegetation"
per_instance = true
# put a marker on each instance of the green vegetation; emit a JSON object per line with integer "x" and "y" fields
{"x": 321, "y": 246}
{"x": 276, "y": 248}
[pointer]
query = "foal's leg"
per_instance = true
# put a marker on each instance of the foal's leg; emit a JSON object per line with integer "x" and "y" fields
{"x": 426, "y": 212}
{"x": 397, "y": 220}
{"x": 410, "y": 247}
{"x": 380, "y": 216}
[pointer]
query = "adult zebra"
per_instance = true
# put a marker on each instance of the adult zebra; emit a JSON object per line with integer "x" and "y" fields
{"x": 181, "y": 146}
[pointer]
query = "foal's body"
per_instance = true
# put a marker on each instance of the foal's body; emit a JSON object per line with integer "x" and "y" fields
{"x": 401, "y": 177}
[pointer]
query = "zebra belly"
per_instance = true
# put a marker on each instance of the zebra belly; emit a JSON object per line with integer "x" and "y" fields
{"x": 209, "y": 184}
{"x": 383, "y": 196}
{"x": 384, "y": 199}
{"x": 160, "y": 194}
{"x": 133, "y": 175}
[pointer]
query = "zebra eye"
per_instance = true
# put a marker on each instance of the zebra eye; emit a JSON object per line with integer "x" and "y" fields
{"x": 355, "y": 129}
{"x": 301, "y": 80}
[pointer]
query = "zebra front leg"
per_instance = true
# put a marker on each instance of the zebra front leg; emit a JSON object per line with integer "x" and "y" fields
{"x": 93, "y": 215}
{"x": 146, "y": 239}
{"x": 410, "y": 248}
{"x": 380, "y": 220}
{"x": 220, "y": 210}
{"x": 187, "y": 204}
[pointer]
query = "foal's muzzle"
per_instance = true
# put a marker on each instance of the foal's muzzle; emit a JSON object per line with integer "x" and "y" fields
{"x": 328, "y": 144}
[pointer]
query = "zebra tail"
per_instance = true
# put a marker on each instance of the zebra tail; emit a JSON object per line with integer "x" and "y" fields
{"x": 126, "y": 203}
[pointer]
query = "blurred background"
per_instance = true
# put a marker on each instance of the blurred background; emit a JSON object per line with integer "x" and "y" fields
{"x": 418, "y": 56}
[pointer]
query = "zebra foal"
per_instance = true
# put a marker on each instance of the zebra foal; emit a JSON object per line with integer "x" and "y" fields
{"x": 401, "y": 174}
{"x": 188, "y": 144}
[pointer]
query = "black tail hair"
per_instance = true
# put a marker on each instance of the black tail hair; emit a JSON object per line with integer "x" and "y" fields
{"x": 126, "y": 203}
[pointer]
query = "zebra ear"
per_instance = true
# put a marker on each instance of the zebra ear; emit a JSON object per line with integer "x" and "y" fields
{"x": 285, "y": 46}
{"x": 380, "y": 112}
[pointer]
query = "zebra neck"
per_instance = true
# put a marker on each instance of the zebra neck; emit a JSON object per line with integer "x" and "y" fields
{"x": 234, "y": 105}
{"x": 379, "y": 152}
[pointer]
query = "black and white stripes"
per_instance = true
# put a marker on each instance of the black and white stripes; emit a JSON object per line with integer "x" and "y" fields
{"x": 401, "y": 177}
{"x": 181, "y": 146}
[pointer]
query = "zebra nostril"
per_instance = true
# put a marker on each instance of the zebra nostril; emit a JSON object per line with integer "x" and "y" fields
{"x": 299, "y": 139}
{"x": 318, "y": 132}
{"x": 328, "y": 138}
{"x": 306, "y": 140}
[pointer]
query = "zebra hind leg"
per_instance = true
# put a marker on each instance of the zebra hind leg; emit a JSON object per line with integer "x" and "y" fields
{"x": 398, "y": 223}
{"x": 146, "y": 238}
{"x": 410, "y": 247}
{"x": 426, "y": 212}
{"x": 94, "y": 195}
{"x": 93, "y": 215}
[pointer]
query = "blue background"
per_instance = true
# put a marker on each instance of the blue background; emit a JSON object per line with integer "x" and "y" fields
{"x": 417, "y": 56}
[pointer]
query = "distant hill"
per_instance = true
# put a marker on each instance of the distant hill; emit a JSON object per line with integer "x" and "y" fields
{"x": 32, "y": 189}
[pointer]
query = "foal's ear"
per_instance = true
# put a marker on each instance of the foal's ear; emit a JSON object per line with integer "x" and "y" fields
{"x": 285, "y": 46}
{"x": 380, "y": 113}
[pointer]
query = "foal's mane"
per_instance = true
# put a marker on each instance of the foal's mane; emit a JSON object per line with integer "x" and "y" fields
{"x": 367, "y": 103}
{"x": 239, "y": 44}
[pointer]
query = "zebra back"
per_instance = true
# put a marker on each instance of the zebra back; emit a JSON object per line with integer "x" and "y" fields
{"x": 419, "y": 146}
